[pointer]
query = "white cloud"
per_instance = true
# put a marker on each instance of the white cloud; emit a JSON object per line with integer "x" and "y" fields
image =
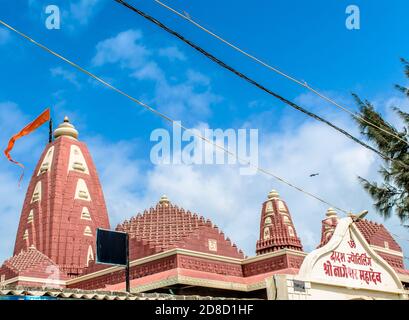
{"x": 66, "y": 75}
{"x": 184, "y": 100}
{"x": 172, "y": 53}
{"x": 125, "y": 48}
{"x": 257, "y": 104}
{"x": 83, "y": 10}
{"x": 150, "y": 71}
{"x": 190, "y": 97}
{"x": 4, "y": 35}
{"x": 120, "y": 176}
{"x": 399, "y": 101}
{"x": 197, "y": 77}
{"x": 10, "y": 208}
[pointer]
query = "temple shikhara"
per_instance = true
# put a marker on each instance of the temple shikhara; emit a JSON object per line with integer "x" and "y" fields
{"x": 176, "y": 251}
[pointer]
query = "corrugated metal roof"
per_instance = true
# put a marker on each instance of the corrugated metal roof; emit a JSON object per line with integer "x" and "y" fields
{"x": 96, "y": 294}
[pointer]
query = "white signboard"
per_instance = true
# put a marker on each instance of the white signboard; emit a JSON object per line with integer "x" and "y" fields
{"x": 348, "y": 260}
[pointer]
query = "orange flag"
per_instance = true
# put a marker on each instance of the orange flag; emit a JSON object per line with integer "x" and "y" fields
{"x": 42, "y": 118}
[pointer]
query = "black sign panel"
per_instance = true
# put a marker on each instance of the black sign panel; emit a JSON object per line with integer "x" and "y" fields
{"x": 299, "y": 285}
{"x": 111, "y": 247}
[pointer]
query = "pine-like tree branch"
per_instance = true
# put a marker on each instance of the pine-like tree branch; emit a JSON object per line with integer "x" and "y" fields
{"x": 392, "y": 196}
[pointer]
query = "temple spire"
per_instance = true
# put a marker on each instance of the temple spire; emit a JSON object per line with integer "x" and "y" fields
{"x": 328, "y": 226}
{"x": 277, "y": 230}
{"x": 64, "y": 203}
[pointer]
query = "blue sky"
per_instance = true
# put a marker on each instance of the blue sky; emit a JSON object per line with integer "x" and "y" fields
{"x": 307, "y": 40}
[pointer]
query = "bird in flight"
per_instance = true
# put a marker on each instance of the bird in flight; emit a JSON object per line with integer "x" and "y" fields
{"x": 314, "y": 174}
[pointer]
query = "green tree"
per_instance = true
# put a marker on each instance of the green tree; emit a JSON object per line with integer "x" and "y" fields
{"x": 392, "y": 195}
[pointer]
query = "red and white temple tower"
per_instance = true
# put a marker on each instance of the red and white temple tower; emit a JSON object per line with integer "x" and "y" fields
{"x": 277, "y": 229}
{"x": 64, "y": 204}
{"x": 170, "y": 248}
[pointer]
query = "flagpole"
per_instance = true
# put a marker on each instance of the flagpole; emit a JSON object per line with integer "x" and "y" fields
{"x": 50, "y": 133}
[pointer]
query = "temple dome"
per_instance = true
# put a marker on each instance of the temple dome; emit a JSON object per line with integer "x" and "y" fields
{"x": 164, "y": 200}
{"x": 167, "y": 226}
{"x": 331, "y": 213}
{"x": 273, "y": 194}
{"x": 66, "y": 129}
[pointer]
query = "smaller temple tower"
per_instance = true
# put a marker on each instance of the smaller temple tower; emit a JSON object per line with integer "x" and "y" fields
{"x": 328, "y": 226}
{"x": 374, "y": 233}
{"x": 277, "y": 230}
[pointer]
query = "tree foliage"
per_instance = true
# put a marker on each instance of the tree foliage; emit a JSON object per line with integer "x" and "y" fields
{"x": 392, "y": 195}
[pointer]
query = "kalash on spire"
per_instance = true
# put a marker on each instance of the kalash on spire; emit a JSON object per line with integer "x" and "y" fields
{"x": 64, "y": 204}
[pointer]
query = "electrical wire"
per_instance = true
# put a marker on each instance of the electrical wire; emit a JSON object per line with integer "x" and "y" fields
{"x": 265, "y": 64}
{"x": 397, "y": 236}
{"x": 167, "y": 118}
{"x": 253, "y": 82}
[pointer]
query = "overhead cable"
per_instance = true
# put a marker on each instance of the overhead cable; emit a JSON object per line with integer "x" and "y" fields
{"x": 282, "y": 73}
{"x": 167, "y": 118}
{"x": 253, "y": 82}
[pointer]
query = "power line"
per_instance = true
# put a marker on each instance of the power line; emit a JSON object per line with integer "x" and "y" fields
{"x": 401, "y": 238}
{"x": 265, "y": 64}
{"x": 253, "y": 82}
{"x": 394, "y": 234}
{"x": 167, "y": 118}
